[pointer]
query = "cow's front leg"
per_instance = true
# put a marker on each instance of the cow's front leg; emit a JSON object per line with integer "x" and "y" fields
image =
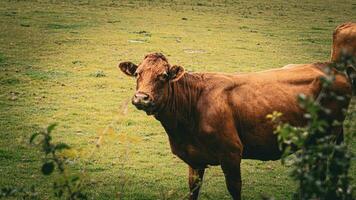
{"x": 195, "y": 182}
{"x": 231, "y": 168}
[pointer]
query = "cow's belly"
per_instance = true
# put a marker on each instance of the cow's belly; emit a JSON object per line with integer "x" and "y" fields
{"x": 257, "y": 134}
{"x": 263, "y": 150}
{"x": 259, "y": 142}
{"x": 193, "y": 155}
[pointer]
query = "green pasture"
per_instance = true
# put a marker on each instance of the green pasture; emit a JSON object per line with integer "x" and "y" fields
{"x": 58, "y": 63}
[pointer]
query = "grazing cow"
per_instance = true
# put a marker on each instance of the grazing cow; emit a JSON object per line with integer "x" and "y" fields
{"x": 219, "y": 119}
{"x": 344, "y": 41}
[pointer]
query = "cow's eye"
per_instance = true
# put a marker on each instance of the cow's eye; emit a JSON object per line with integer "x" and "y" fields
{"x": 137, "y": 74}
{"x": 163, "y": 76}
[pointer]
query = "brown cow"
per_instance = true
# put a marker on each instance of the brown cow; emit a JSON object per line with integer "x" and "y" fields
{"x": 344, "y": 41}
{"x": 344, "y": 46}
{"x": 219, "y": 119}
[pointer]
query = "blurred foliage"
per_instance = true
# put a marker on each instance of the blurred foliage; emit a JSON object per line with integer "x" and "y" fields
{"x": 322, "y": 162}
{"x": 67, "y": 186}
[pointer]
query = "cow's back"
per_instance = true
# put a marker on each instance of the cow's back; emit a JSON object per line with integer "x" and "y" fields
{"x": 259, "y": 94}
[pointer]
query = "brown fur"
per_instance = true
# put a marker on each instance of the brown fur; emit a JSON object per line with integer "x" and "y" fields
{"x": 219, "y": 119}
{"x": 344, "y": 40}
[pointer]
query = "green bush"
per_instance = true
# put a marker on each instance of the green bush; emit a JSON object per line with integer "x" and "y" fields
{"x": 321, "y": 166}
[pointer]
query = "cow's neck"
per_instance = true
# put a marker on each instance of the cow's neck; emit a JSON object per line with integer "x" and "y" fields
{"x": 180, "y": 107}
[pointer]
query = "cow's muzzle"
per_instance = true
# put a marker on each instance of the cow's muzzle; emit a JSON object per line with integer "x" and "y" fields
{"x": 142, "y": 101}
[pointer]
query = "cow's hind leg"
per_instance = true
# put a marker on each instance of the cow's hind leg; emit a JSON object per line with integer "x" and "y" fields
{"x": 195, "y": 182}
{"x": 232, "y": 172}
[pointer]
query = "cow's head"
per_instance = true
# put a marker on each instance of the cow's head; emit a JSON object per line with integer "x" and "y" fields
{"x": 154, "y": 75}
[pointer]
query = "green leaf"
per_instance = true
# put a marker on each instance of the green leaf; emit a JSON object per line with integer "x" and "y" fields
{"x": 47, "y": 168}
{"x": 51, "y": 127}
{"x": 75, "y": 179}
{"x": 33, "y": 137}
{"x": 61, "y": 146}
{"x": 80, "y": 195}
{"x": 47, "y": 148}
{"x": 58, "y": 193}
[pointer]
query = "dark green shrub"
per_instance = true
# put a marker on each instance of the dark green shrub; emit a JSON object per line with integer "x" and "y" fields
{"x": 321, "y": 167}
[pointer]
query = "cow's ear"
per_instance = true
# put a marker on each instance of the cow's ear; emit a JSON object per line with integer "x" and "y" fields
{"x": 128, "y": 68}
{"x": 175, "y": 73}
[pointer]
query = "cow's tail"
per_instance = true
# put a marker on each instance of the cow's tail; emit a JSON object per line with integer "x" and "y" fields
{"x": 351, "y": 74}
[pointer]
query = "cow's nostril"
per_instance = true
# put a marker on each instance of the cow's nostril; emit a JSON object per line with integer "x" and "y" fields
{"x": 140, "y": 97}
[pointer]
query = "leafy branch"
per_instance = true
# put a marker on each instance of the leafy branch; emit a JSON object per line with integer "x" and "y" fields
{"x": 322, "y": 165}
{"x": 67, "y": 186}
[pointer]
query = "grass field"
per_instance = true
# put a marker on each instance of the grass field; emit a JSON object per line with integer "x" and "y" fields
{"x": 58, "y": 62}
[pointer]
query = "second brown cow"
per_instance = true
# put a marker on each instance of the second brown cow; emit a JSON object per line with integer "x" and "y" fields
{"x": 344, "y": 41}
